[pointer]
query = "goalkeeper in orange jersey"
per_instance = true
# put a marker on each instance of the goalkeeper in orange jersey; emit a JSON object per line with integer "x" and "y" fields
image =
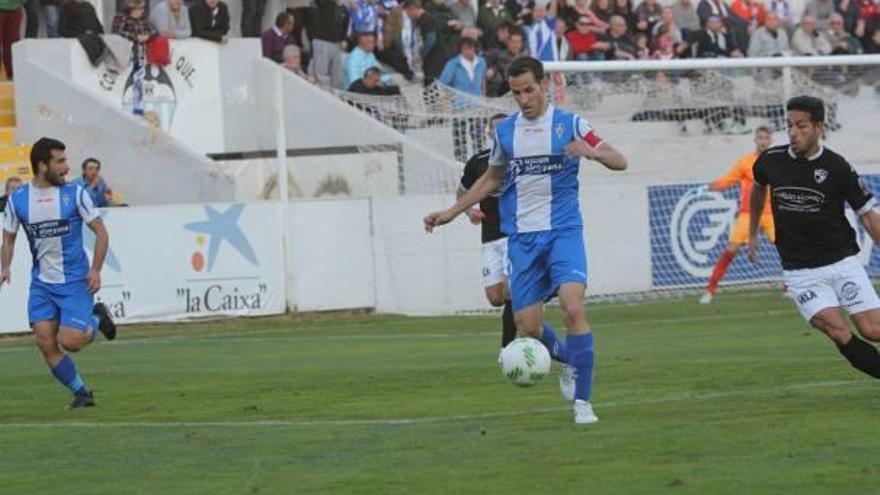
{"x": 741, "y": 174}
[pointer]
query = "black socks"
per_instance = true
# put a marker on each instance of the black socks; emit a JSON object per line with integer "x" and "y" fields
{"x": 862, "y": 355}
{"x": 508, "y": 325}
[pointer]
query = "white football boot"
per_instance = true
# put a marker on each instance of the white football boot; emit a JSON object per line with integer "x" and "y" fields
{"x": 583, "y": 413}
{"x": 566, "y": 382}
{"x": 706, "y": 298}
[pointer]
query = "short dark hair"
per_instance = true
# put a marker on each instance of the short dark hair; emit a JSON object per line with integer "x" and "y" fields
{"x": 282, "y": 18}
{"x": 42, "y": 151}
{"x": 91, "y": 160}
{"x": 372, "y": 69}
{"x": 467, "y": 42}
{"x": 516, "y": 31}
{"x": 132, "y": 5}
{"x": 522, "y": 65}
{"x": 815, "y": 107}
{"x": 412, "y": 4}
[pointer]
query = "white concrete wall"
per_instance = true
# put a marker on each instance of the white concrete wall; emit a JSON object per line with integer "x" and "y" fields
{"x": 343, "y": 254}
{"x": 331, "y": 255}
{"x": 146, "y": 166}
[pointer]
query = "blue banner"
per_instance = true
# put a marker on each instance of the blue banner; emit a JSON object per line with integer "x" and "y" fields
{"x": 690, "y": 228}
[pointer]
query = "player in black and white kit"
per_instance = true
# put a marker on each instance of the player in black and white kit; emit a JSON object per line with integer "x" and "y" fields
{"x": 810, "y": 185}
{"x": 494, "y": 254}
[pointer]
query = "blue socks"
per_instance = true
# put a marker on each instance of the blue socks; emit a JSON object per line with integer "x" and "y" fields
{"x": 65, "y": 372}
{"x": 580, "y": 355}
{"x": 556, "y": 348}
{"x": 576, "y": 351}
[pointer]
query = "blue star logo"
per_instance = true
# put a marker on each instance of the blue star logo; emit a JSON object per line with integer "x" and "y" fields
{"x": 223, "y": 227}
{"x": 89, "y": 243}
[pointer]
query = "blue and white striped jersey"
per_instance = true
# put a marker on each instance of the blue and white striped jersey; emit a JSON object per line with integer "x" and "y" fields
{"x": 53, "y": 219}
{"x": 541, "y": 186}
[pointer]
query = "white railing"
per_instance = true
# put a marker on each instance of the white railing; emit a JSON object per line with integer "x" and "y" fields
{"x": 710, "y": 63}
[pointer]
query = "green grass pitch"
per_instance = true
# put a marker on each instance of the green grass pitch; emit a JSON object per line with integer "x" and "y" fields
{"x": 738, "y": 397}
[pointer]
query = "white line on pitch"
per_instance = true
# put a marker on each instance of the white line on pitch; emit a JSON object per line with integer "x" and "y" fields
{"x": 685, "y": 397}
{"x": 280, "y": 335}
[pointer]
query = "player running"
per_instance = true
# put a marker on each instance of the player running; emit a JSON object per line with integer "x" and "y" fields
{"x": 60, "y": 308}
{"x": 494, "y": 250}
{"x": 741, "y": 174}
{"x": 536, "y": 155}
{"x": 809, "y": 186}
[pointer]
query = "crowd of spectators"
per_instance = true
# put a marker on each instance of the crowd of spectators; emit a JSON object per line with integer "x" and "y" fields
{"x": 422, "y": 36}
{"x": 339, "y": 40}
{"x": 135, "y": 20}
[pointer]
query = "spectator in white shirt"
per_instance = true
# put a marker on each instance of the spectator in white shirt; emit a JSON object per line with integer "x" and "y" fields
{"x": 171, "y": 19}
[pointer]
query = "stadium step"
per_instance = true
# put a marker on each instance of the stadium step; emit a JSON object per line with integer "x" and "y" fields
{"x": 7, "y": 104}
{"x": 7, "y": 136}
{"x": 14, "y": 158}
{"x": 14, "y": 162}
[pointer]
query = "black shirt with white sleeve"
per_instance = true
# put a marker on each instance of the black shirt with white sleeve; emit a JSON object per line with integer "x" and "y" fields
{"x": 808, "y": 197}
{"x": 473, "y": 170}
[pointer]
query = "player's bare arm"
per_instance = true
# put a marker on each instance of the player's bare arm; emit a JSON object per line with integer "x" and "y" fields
{"x": 475, "y": 215}
{"x": 484, "y": 186}
{"x": 102, "y": 242}
{"x": 604, "y": 153}
{"x": 871, "y": 221}
{"x": 759, "y": 195}
{"x": 6, "y": 257}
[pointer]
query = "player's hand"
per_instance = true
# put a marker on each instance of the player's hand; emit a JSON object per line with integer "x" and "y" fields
{"x": 437, "y": 219}
{"x": 93, "y": 280}
{"x": 579, "y": 147}
{"x": 475, "y": 215}
{"x": 5, "y": 277}
{"x": 753, "y": 251}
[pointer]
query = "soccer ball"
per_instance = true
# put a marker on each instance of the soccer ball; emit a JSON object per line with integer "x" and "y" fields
{"x": 525, "y": 362}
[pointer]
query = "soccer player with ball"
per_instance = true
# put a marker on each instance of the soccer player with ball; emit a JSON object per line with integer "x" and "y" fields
{"x": 535, "y": 156}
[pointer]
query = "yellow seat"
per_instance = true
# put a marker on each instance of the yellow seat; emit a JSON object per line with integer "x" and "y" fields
{"x": 7, "y": 135}
{"x": 15, "y": 162}
{"x": 14, "y": 159}
{"x": 7, "y": 90}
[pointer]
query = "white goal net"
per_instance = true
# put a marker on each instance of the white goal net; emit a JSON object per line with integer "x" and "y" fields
{"x": 681, "y": 125}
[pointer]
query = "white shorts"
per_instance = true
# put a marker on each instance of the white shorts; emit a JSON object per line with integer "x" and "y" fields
{"x": 494, "y": 256}
{"x": 843, "y": 284}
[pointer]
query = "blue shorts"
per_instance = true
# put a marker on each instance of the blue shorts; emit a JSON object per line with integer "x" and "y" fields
{"x": 70, "y": 304}
{"x": 542, "y": 261}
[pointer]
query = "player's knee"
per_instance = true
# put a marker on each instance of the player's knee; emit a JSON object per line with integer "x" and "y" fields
{"x": 573, "y": 311}
{"x": 528, "y": 328}
{"x": 72, "y": 341}
{"x": 72, "y": 347}
{"x": 533, "y": 332}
